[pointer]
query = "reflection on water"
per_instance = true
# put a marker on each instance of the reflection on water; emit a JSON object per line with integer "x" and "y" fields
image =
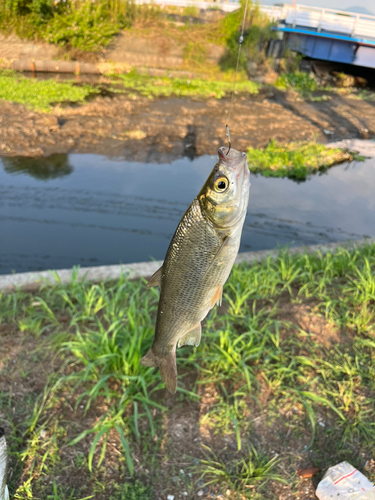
{"x": 52, "y": 167}
{"x": 91, "y": 210}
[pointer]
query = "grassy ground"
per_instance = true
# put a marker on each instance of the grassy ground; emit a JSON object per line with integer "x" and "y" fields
{"x": 305, "y": 86}
{"x": 218, "y": 85}
{"x": 284, "y": 379}
{"x": 297, "y": 81}
{"x": 297, "y": 160}
{"x": 40, "y": 95}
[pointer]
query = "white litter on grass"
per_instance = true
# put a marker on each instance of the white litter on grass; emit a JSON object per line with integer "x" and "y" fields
{"x": 4, "y": 493}
{"x": 170, "y": 497}
{"x": 345, "y": 482}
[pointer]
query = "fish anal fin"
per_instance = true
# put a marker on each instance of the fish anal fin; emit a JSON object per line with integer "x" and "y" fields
{"x": 217, "y": 297}
{"x": 155, "y": 279}
{"x": 168, "y": 371}
{"x": 150, "y": 359}
{"x": 192, "y": 337}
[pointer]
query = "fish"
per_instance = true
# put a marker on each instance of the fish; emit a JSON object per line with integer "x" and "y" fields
{"x": 198, "y": 261}
{"x": 4, "y": 493}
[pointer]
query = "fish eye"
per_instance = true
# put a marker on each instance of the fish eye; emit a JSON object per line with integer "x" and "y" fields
{"x": 221, "y": 184}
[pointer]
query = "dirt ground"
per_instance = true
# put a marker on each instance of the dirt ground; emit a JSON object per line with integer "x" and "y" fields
{"x": 162, "y": 130}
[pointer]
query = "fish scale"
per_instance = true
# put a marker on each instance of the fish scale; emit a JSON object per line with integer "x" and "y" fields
{"x": 197, "y": 244}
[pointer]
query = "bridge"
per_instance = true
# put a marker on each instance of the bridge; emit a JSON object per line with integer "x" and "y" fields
{"x": 326, "y": 34}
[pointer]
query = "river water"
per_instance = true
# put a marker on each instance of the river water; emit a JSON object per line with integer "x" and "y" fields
{"x": 89, "y": 210}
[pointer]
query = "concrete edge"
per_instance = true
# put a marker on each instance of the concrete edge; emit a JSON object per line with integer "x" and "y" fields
{"x": 34, "y": 280}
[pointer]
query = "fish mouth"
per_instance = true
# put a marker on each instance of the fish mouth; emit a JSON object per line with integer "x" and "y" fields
{"x": 231, "y": 157}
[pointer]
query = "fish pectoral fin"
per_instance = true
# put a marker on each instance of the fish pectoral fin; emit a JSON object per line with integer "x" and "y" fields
{"x": 217, "y": 297}
{"x": 192, "y": 337}
{"x": 224, "y": 243}
{"x": 155, "y": 279}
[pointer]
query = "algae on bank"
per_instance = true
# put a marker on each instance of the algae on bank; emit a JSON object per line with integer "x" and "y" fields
{"x": 296, "y": 160}
{"x": 40, "y": 94}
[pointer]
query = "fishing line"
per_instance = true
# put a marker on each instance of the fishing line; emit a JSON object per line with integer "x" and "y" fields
{"x": 240, "y": 41}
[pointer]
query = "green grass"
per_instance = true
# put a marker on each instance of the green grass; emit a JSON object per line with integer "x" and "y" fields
{"x": 238, "y": 474}
{"x": 81, "y": 25}
{"x": 362, "y": 95}
{"x": 298, "y": 81}
{"x": 40, "y": 95}
{"x": 132, "y": 491}
{"x": 182, "y": 87}
{"x": 305, "y": 84}
{"x": 288, "y": 363}
{"x": 296, "y": 160}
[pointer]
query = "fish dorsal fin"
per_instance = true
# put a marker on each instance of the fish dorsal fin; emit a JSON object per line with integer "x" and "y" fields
{"x": 192, "y": 337}
{"x": 155, "y": 279}
{"x": 217, "y": 297}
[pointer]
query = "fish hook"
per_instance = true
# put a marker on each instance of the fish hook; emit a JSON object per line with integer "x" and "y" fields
{"x": 227, "y": 133}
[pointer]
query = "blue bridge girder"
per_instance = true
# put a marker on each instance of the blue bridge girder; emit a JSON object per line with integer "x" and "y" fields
{"x": 331, "y": 46}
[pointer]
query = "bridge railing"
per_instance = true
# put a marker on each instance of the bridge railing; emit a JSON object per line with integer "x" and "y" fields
{"x": 273, "y": 12}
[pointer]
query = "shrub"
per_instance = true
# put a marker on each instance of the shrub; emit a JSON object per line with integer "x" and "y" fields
{"x": 297, "y": 80}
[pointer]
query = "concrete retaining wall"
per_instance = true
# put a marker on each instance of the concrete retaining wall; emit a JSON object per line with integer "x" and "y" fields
{"x": 151, "y": 52}
{"x": 12, "y": 47}
{"x": 34, "y": 280}
{"x": 124, "y": 50}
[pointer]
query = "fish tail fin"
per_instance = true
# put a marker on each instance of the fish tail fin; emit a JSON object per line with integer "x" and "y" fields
{"x": 167, "y": 366}
{"x": 168, "y": 371}
{"x": 150, "y": 359}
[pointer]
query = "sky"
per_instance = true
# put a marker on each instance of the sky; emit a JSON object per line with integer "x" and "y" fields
{"x": 330, "y": 4}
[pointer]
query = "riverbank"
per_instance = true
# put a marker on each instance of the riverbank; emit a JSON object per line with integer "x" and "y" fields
{"x": 161, "y": 130}
{"x": 35, "y": 280}
{"x": 282, "y": 381}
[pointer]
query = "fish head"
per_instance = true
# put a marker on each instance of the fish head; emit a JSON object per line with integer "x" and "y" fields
{"x": 225, "y": 195}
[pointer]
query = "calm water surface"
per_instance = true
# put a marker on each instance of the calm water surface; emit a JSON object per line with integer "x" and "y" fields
{"x": 89, "y": 210}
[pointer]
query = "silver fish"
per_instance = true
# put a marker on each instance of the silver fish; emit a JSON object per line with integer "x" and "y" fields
{"x": 198, "y": 262}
